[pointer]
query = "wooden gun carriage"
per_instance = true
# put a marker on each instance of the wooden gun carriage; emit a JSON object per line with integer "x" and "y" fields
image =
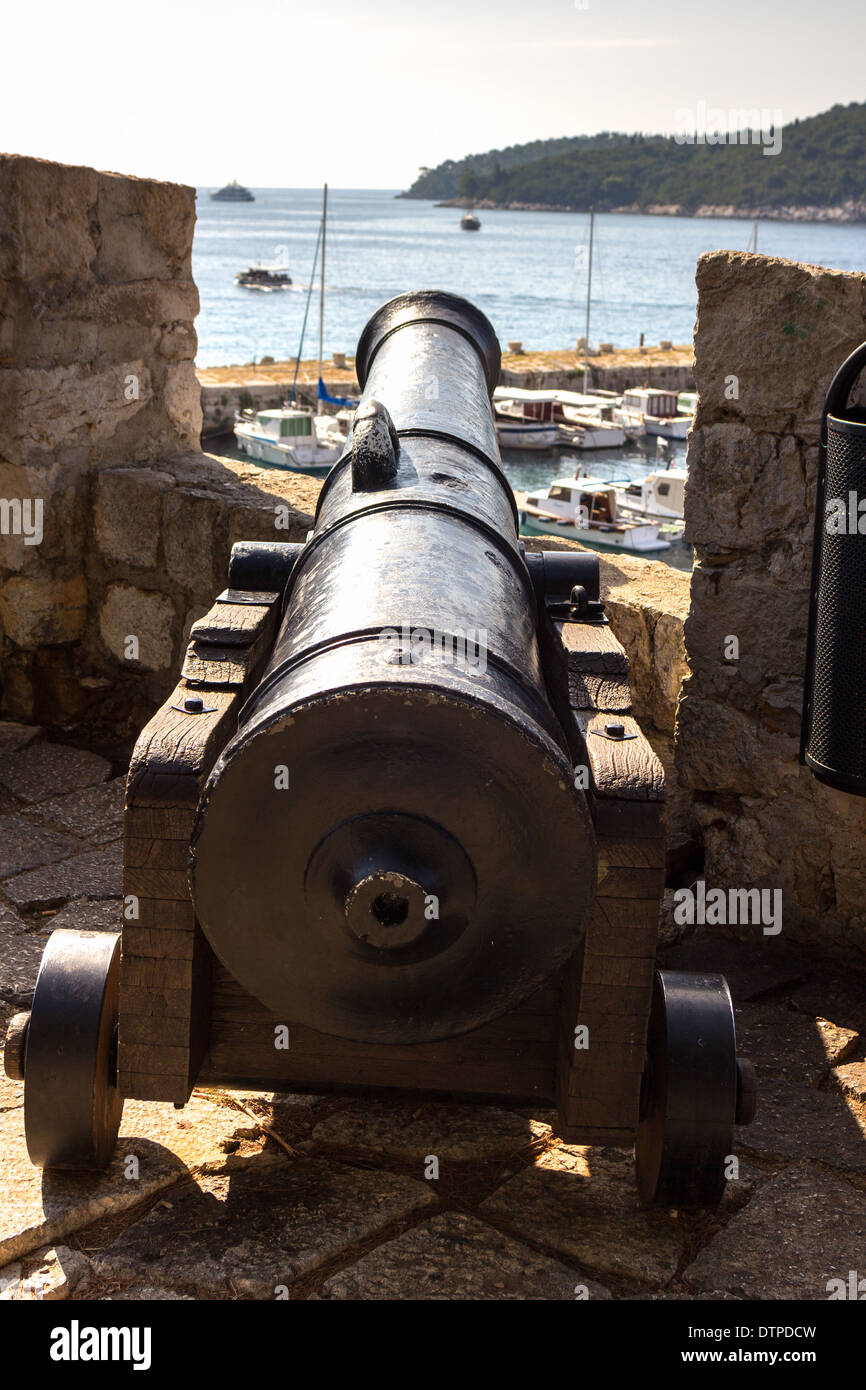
{"x": 396, "y": 827}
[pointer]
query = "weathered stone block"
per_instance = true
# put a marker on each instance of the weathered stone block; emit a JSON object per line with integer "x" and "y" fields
{"x": 127, "y": 513}
{"x": 38, "y": 610}
{"x": 147, "y": 618}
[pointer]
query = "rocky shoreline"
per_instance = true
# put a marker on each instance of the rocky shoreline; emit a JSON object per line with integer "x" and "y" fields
{"x": 850, "y": 211}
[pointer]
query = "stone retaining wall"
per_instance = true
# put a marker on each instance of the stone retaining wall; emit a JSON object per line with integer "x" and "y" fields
{"x": 770, "y": 335}
{"x": 99, "y": 428}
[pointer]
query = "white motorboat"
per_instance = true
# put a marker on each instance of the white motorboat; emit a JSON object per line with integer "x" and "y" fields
{"x": 657, "y": 497}
{"x": 291, "y": 437}
{"x": 586, "y": 510}
{"x": 658, "y": 411}
{"x": 543, "y": 419}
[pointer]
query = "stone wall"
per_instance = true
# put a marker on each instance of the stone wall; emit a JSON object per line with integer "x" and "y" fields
{"x": 770, "y": 335}
{"x": 100, "y": 421}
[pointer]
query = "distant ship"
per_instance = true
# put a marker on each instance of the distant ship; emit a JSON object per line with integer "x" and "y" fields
{"x": 261, "y": 277}
{"x": 470, "y": 222}
{"x": 233, "y": 192}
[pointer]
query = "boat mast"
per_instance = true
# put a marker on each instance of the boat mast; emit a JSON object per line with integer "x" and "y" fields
{"x": 588, "y": 298}
{"x": 322, "y": 292}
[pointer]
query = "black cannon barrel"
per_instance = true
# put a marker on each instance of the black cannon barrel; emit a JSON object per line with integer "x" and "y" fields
{"x": 391, "y": 848}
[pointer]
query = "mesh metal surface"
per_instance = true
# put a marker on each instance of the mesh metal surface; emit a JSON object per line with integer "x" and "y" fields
{"x": 838, "y": 724}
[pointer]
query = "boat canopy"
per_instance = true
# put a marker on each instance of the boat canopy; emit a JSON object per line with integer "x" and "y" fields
{"x": 285, "y": 424}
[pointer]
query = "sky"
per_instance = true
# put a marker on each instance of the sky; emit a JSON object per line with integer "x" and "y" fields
{"x": 280, "y": 93}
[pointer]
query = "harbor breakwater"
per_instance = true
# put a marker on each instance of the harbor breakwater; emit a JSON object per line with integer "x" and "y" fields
{"x": 261, "y": 386}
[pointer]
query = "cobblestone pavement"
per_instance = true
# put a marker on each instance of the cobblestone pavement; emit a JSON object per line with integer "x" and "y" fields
{"x": 327, "y": 1197}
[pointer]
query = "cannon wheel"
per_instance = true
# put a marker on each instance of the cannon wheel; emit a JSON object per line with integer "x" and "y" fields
{"x": 72, "y": 1105}
{"x": 690, "y": 1092}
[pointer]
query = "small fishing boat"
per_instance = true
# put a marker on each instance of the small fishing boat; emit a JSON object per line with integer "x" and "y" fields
{"x": 470, "y": 223}
{"x": 586, "y": 510}
{"x": 233, "y": 192}
{"x": 658, "y": 411}
{"x": 262, "y": 277}
{"x": 292, "y": 437}
{"x": 659, "y": 496}
{"x": 544, "y": 419}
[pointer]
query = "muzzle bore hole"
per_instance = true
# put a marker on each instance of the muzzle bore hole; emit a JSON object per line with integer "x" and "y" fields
{"x": 390, "y": 909}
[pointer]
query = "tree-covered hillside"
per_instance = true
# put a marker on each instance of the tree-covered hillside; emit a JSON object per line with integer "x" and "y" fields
{"x": 821, "y": 162}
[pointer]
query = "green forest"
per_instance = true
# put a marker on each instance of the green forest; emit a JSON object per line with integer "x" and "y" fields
{"x": 821, "y": 162}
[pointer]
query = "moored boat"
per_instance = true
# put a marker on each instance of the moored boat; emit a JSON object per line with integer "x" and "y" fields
{"x": 569, "y": 420}
{"x": 291, "y": 437}
{"x": 658, "y": 411}
{"x": 659, "y": 496}
{"x": 586, "y": 510}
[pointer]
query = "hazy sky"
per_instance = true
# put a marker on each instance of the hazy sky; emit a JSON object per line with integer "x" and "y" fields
{"x": 283, "y": 93}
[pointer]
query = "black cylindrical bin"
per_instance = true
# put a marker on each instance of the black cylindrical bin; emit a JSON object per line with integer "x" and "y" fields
{"x": 833, "y": 741}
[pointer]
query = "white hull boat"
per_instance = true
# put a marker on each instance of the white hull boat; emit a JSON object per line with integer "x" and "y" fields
{"x": 292, "y": 438}
{"x": 547, "y": 418}
{"x": 586, "y": 510}
{"x": 657, "y": 410}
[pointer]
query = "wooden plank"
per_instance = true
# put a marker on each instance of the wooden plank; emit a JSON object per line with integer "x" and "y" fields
{"x": 609, "y": 693}
{"x": 150, "y": 1086}
{"x": 627, "y": 769}
{"x": 141, "y": 853}
{"x": 592, "y": 648}
{"x": 206, "y": 665}
{"x": 164, "y": 972}
{"x": 630, "y": 883}
{"x": 156, "y": 942}
{"x": 142, "y": 1028}
{"x": 512, "y": 1057}
{"x": 232, "y": 624}
{"x": 156, "y": 883}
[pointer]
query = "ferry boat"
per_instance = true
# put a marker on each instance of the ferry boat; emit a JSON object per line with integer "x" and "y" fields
{"x": 547, "y": 418}
{"x": 587, "y": 510}
{"x": 291, "y": 437}
{"x": 470, "y": 223}
{"x": 233, "y": 192}
{"x": 262, "y": 277}
{"x": 658, "y": 411}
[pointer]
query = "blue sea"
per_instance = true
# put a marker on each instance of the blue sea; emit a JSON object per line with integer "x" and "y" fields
{"x": 526, "y": 270}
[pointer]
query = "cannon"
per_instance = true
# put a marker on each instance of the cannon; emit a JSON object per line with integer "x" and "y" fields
{"x": 396, "y": 827}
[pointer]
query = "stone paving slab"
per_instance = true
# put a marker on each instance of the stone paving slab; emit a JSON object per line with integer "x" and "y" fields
{"x": 24, "y": 845}
{"x": 410, "y": 1130}
{"x": 802, "y": 1229}
{"x": 86, "y": 914}
{"x": 37, "y": 1208}
{"x": 253, "y": 1235}
{"x": 20, "y": 955}
{"x": 796, "y": 1122}
{"x": 95, "y": 873}
{"x": 94, "y": 813}
{"x": 781, "y": 1040}
{"x": 582, "y": 1203}
{"x": 453, "y": 1256}
{"x": 44, "y": 770}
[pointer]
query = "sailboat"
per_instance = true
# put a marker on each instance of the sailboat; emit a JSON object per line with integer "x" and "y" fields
{"x": 295, "y": 436}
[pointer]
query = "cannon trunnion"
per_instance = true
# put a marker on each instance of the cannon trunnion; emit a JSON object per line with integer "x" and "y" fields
{"x": 396, "y": 826}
